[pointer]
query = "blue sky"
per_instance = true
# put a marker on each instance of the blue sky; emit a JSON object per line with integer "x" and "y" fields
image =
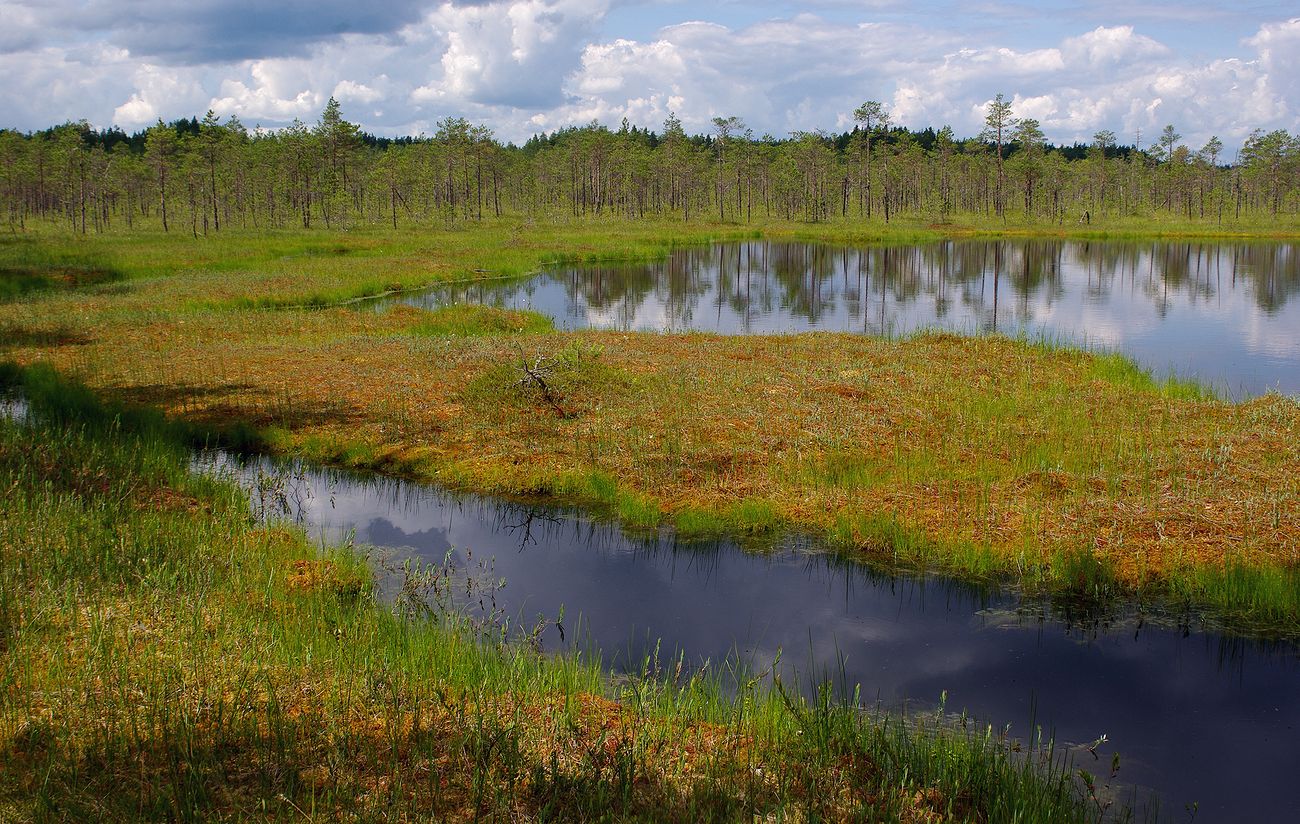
{"x": 522, "y": 66}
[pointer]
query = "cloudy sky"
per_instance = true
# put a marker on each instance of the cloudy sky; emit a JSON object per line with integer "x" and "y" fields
{"x": 523, "y": 66}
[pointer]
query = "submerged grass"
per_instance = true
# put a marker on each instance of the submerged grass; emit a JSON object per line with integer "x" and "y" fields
{"x": 166, "y": 656}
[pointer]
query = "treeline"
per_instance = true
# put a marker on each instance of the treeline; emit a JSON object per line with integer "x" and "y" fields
{"x": 201, "y": 176}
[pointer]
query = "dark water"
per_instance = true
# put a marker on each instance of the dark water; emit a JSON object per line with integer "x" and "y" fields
{"x": 1226, "y": 314}
{"x": 1196, "y": 717}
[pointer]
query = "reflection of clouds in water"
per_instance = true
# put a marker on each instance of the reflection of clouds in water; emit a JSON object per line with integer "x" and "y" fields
{"x": 1268, "y": 337}
{"x": 1168, "y": 702}
{"x": 1090, "y": 324}
{"x": 648, "y": 317}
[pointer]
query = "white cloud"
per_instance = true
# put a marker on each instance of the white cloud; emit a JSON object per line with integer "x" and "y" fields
{"x": 524, "y": 65}
{"x": 1110, "y": 46}
{"x": 276, "y": 91}
{"x": 51, "y": 85}
{"x": 1040, "y": 108}
{"x": 778, "y": 75}
{"x": 513, "y": 54}
{"x": 1109, "y": 78}
{"x": 1278, "y": 45}
{"x": 347, "y": 91}
{"x": 157, "y": 90}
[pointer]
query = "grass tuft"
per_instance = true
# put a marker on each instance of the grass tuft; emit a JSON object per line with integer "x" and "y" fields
{"x": 474, "y": 320}
{"x": 167, "y": 656}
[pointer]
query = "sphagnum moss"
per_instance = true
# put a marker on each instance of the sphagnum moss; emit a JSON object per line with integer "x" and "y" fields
{"x": 977, "y": 456}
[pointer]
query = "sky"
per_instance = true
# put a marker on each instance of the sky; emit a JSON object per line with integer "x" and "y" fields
{"x": 525, "y": 66}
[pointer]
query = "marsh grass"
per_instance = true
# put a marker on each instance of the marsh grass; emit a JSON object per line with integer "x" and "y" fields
{"x": 169, "y": 657}
{"x": 277, "y": 268}
{"x": 66, "y": 403}
{"x": 986, "y": 458}
{"x": 467, "y": 321}
{"x": 1119, "y": 370}
{"x": 270, "y": 269}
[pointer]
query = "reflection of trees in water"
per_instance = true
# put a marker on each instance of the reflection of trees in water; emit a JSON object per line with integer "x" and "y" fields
{"x": 804, "y": 273}
{"x": 614, "y": 292}
{"x": 742, "y": 282}
{"x": 1195, "y": 272}
{"x": 999, "y": 283}
{"x": 1271, "y": 272}
{"x": 618, "y": 292}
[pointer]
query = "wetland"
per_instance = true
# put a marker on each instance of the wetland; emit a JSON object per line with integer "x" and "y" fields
{"x": 1041, "y": 492}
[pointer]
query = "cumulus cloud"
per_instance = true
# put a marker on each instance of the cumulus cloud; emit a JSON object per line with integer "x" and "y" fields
{"x": 274, "y": 91}
{"x": 521, "y": 66}
{"x": 1278, "y": 45}
{"x": 157, "y": 90}
{"x": 1109, "y": 47}
{"x": 778, "y": 76}
{"x": 47, "y": 85}
{"x": 805, "y": 72}
{"x": 513, "y": 54}
{"x": 1110, "y": 78}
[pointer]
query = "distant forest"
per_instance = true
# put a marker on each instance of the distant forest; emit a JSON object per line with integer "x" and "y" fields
{"x": 204, "y": 175}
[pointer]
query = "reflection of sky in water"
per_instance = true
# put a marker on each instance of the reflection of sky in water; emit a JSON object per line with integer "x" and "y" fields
{"x": 1197, "y": 717}
{"x": 1223, "y": 313}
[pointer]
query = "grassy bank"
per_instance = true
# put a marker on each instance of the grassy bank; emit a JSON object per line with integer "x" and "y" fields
{"x": 168, "y": 657}
{"x": 270, "y": 268}
{"x": 1054, "y": 469}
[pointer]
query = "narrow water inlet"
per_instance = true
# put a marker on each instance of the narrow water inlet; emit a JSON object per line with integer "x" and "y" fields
{"x": 1197, "y": 717}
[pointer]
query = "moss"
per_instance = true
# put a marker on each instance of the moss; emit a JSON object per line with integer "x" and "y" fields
{"x": 974, "y": 456}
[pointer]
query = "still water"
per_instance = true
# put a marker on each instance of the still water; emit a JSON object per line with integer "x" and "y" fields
{"x": 1225, "y": 314}
{"x": 1197, "y": 718}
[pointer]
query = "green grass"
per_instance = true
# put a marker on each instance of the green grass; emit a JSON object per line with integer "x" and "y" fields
{"x": 984, "y": 458}
{"x": 67, "y": 403}
{"x": 473, "y": 320}
{"x": 17, "y": 282}
{"x": 167, "y": 657}
{"x": 268, "y": 269}
{"x": 1244, "y": 593}
{"x": 1120, "y": 370}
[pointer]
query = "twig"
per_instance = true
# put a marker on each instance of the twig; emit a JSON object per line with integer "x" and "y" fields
{"x": 535, "y": 376}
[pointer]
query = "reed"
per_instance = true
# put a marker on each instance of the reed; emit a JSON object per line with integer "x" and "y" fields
{"x": 989, "y": 458}
{"x": 168, "y": 656}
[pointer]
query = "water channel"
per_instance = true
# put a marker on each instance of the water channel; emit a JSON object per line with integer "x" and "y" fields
{"x": 1227, "y": 314}
{"x": 1206, "y": 723}
{"x": 1198, "y": 718}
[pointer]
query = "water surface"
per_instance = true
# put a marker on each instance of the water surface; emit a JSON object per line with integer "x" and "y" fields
{"x": 1226, "y": 314}
{"x": 1196, "y": 716}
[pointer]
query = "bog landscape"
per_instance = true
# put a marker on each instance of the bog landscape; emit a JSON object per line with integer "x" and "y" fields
{"x": 641, "y": 474}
